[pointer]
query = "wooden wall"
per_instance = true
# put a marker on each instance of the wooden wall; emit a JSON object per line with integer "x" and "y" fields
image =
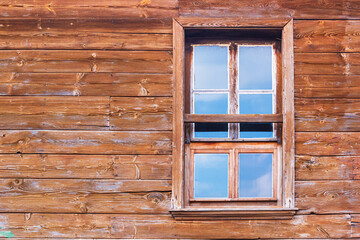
{"x": 86, "y": 111}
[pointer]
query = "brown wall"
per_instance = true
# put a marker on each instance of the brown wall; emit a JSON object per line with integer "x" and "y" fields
{"x": 82, "y": 83}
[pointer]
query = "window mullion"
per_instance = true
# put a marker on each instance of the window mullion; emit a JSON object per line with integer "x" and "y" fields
{"x": 233, "y": 182}
{"x": 233, "y": 99}
{"x": 236, "y": 170}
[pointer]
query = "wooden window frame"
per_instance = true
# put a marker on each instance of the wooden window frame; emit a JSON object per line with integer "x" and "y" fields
{"x": 185, "y": 208}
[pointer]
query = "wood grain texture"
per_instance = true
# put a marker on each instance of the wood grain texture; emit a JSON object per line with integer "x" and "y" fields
{"x": 61, "y": 202}
{"x": 126, "y": 167}
{"x": 177, "y": 200}
{"x": 298, "y": 9}
{"x": 327, "y": 63}
{"x": 85, "y": 142}
{"x": 327, "y": 36}
{"x": 233, "y": 118}
{"x": 85, "y": 84}
{"x": 85, "y": 196}
{"x": 90, "y": 171}
{"x": 327, "y": 115}
{"x": 327, "y": 168}
{"x": 54, "y": 113}
{"x": 327, "y": 86}
{"x": 355, "y": 225}
{"x": 85, "y": 25}
{"x": 211, "y": 22}
{"x": 145, "y": 113}
{"x": 327, "y": 197}
{"x": 89, "y": 9}
{"x": 156, "y": 226}
{"x": 288, "y": 109}
{"x": 88, "y": 186}
{"x": 85, "y": 61}
{"x": 14, "y": 238}
{"x": 57, "y": 225}
{"x": 301, "y": 226}
{"x": 327, "y": 143}
{"x": 75, "y": 40}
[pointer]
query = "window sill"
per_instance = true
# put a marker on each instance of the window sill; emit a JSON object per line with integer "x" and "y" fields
{"x": 233, "y": 214}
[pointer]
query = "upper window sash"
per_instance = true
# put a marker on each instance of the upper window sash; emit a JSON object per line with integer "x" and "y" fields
{"x": 208, "y": 97}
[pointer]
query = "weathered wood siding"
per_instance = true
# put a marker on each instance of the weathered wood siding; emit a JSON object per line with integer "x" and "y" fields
{"x": 86, "y": 118}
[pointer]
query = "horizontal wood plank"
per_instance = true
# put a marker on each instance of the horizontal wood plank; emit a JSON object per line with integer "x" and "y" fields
{"x": 155, "y": 226}
{"x": 233, "y": 118}
{"x": 85, "y": 142}
{"x": 88, "y": 25}
{"x": 54, "y": 113}
{"x": 327, "y": 143}
{"x": 155, "y": 202}
{"x": 301, "y": 226}
{"x": 86, "y": 61}
{"x": 327, "y": 36}
{"x": 57, "y": 225}
{"x": 85, "y": 84}
{"x": 327, "y": 114}
{"x": 327, "y": 86}
{"x": 141, "y": 113}
{"x": 322, "y": 197}
{"x": 85, "y": 196}
{"x": 87, "y": 186}
{"x": 127, "y": 167}
{"x": 75, "y": 40}
{"x": 327, "y": 168}
{"x": 14, "y": 238}
{"x": 89, "y": 9}
{"x": 327, "y": 63}
{"x": 299, "y": 9}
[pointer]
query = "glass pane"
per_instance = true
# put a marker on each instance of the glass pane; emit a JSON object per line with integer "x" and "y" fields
{"x": 255, "y": 103}
{"x": 256, "y": 130}
{"x": 255, "y": 175}
{"x": 211, "y": 104}
{"x": 208, "y": 103}
{"x": 255, "y": 67}
{"x": 210, "y": 67}
{"x": 211, "y": 175}
{"x": 211, "y": 130}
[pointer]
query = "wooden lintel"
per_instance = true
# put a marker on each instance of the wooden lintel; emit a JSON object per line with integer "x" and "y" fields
{"x": 195, "y": 22}
{"x": 234, "y": 118}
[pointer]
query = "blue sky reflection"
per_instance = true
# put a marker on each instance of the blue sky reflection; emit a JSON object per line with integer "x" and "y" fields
{"x": 210, "y": 67}
{"x": 211, "y": 175}
{"x": 255, "y": 175}
{"x": 255, "y": 67}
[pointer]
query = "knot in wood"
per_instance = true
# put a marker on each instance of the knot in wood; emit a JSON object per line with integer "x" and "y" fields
{"x": 155, "y": 197}
{"x": 331, "y": 195}
{"x": 16, "y": 184}
{"x": 83, "y": 208}
{"x": 135, "y": 115}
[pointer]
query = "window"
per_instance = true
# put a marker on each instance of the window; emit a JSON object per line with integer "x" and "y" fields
{"x": 233, "y": 152}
